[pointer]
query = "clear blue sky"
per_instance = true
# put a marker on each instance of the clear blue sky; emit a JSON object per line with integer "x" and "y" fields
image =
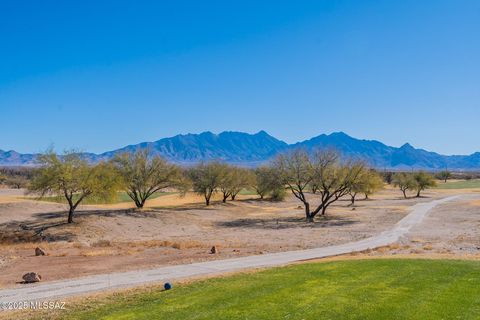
{"x": 98, "y": 75}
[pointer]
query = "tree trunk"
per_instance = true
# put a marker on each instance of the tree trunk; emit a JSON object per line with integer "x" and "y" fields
{"x": 225, "y": 197}
{"x": 308, "y": 215}
{"x": 324, "y": 210}
{"x": 233, "y": 197}
{"x": 404, "y": 193}
{"x": 418, "y": 193}
{"x": 70, "y": 214}
{"x": 353, "y": 199}
{"x": 208, "y": 195}
{"x": 139, "y": 204}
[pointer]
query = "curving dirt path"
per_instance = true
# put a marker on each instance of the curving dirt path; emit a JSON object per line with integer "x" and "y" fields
{"x": 97, "y": 283}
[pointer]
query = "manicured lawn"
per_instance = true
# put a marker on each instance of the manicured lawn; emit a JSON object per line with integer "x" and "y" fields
{"x": 464, "y": 184}
{"x": 356, "y": 289}
{"x": 121, "y": 197}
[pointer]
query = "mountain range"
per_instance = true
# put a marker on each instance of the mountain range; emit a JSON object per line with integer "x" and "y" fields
{"x": 255, "y": 149}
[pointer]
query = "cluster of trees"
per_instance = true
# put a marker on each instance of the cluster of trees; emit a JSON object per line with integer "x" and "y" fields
{"x": 316, "y": 179}
{"x": 415, "y": 181}
{"x": 321, "y": 178}
{"x": 141, "y": 175}
{"x": 212, "y": 177}
{"x": 15, "y": 177}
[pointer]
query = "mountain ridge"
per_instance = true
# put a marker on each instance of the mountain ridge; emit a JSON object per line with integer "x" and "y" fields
{"x": 254, "y": 149}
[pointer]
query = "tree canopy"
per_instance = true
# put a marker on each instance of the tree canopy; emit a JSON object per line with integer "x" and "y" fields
{"x": 73, "y": 178}
{"x": 143, "y": 175}
{"x": 206, "y": 178}
{"x": 299, "y": 170}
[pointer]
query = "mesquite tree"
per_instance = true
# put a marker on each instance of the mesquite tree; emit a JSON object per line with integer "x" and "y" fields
{"x": 423, "y": 180}
{"x": 72, "y": 177}
{"x": 143, "y": 175}
{"x": 403, "y": 181}
{"x": 234, "y": 180}
{"x": 299, "y": 170}
{"x": 367, "y": 183}
{"x": 269, "y": 183}
{"x": 206, "y": 178}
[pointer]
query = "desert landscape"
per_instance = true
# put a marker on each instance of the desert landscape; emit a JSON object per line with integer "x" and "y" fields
{"x": 260, "y": 160}
{"x": 175, "y": 229}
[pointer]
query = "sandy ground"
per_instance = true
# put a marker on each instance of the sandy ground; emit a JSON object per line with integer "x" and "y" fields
{"x": 454, "y": 228}
{"x": 176, "y": 230}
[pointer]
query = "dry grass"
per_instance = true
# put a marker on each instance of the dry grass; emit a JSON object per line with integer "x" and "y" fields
{"x": 96, "y": 253}
{"x": 428, "y": 247}
{"x": 417, "y": 240}
{"x": 48, "y": 246}
{"x": 165, "y": 243}
{"x": 18, "y": 236}
{"x": 101, "y": 244}
{"x": 394, "y": 246}
{"x": 416, "y": 251}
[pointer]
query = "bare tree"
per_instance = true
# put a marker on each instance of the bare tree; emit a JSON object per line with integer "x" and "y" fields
{"x": 17, "y": 181}
{"x": 444, "y": 175}
{"x": 299, "y": 171}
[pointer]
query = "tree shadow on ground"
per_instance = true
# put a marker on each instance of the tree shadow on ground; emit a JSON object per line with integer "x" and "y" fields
{"x": 53, "y": 226}
{"x": 188, "y": 207}
{"x": 287, "y": 223}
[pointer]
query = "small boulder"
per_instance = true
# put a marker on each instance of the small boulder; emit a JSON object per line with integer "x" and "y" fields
{"x": 39, "y": 252}
{"x": 214, "y": 250}
{"x": 31, "y": 277}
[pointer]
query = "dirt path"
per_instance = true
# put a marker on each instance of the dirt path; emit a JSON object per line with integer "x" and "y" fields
{"x": 111, "y": 281}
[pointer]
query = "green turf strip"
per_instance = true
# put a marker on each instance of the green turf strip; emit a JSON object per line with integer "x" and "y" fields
{"x": 356, "y": 289}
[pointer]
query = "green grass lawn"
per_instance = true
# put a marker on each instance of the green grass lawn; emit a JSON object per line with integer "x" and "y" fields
{"x": 464, "y": 184}
{"x": 248, "y": 192}
{"x": 121, "y": 197}
{"x": 356, "y": 289}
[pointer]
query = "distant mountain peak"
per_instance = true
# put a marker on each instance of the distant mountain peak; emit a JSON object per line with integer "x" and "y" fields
{"x": 262, "y": 133}
{"x": 253, "y": 149}
{"x": 407, "y": 146}
{"x": 339, "y": 134}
